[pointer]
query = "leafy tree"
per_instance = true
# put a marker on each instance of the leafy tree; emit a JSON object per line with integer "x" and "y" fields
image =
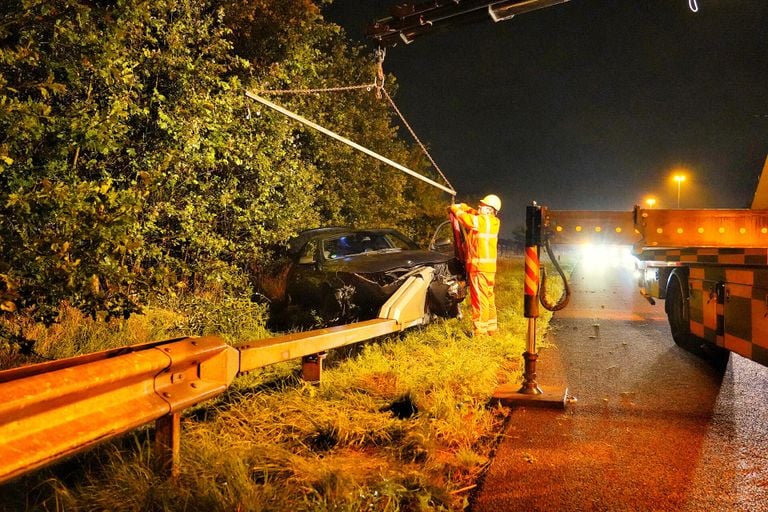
{"x": 132, "y": 164}
{"x": 68, "y": 230}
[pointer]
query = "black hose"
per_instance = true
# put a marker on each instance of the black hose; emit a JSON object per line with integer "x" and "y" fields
{"x": 566, "y": 296}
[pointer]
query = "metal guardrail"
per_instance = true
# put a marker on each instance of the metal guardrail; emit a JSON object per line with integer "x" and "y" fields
{"x": 56, "y": 409}
{"x": 53, "y": 414}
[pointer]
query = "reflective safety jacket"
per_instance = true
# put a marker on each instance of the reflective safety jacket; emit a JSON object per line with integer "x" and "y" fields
{"x": 482, "y": 237}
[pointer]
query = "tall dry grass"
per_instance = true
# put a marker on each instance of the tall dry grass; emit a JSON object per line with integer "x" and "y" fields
{"x": 399, "y": 423}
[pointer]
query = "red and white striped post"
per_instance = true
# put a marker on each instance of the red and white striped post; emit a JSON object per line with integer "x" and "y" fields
{"x": 530, "y": 393}
{"x": 531, "y": 296}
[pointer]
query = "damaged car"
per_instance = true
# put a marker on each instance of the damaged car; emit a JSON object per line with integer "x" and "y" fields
{"x": 341, "y": 275}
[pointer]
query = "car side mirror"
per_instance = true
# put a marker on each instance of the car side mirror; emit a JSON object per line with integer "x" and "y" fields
{"x": 307, "y": 260}
{"x": 442, "y": 243}
{"x": 442, "y": 239}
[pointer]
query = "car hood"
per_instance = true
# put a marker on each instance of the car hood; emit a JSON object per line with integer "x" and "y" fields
{"x": 371, "y": 262}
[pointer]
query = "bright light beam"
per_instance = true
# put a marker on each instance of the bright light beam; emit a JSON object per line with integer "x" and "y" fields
{"x": 597, "y": 258}
{"x": 693, "y": 5}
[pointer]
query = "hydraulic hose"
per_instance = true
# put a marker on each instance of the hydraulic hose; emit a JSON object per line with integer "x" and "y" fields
{"x": 566, "y": 295}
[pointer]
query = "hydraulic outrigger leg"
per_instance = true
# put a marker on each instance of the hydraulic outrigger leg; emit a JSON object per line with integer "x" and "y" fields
{"x": 530, "y": 393}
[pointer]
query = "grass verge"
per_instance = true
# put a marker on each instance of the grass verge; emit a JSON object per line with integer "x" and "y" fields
{"x": 400, "y": 423}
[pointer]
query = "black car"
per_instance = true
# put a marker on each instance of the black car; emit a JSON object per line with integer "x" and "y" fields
{"x": 340, "y": 275}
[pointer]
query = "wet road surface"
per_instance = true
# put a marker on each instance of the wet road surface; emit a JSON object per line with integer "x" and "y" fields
{"x": 654, "y": 428}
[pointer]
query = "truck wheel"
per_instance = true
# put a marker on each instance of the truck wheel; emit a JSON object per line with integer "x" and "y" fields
{"x": 678, "y": 314}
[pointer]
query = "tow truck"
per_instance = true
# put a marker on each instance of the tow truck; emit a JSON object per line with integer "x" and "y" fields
{"x": 710, "y": 266}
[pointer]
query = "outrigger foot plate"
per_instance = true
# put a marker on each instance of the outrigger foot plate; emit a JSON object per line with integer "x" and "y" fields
{"x": 511, "y": 395}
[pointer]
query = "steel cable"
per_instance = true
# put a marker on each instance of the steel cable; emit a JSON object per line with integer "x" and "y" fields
{"x": 416, "y": 138}
{"x": 317, "y": 90}
{"x": 378, "y": 85}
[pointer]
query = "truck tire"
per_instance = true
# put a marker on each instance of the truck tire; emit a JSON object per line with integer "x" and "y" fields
{"x": 678, "y": 313}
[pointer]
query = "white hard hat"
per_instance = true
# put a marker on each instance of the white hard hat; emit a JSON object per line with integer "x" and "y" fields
{"x": 492, "y": 200}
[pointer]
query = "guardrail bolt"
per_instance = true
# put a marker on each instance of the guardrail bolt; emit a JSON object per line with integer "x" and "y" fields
{"x": 312, "y": 367}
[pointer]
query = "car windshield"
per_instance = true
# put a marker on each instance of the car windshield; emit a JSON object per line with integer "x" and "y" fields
{"x": 358, "y": 243}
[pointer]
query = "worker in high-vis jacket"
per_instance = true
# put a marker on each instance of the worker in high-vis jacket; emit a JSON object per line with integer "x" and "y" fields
{"x": 481, "y": 227}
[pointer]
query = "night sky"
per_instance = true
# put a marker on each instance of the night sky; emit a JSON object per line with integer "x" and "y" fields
{"x": 592, "y": 104}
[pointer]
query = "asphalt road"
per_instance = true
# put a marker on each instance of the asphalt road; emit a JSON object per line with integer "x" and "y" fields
{"x": 653, "y": 428}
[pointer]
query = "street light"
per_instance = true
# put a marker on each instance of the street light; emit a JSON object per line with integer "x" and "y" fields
{"x": 650, "y": 202}
{"x": 679, "y": 178}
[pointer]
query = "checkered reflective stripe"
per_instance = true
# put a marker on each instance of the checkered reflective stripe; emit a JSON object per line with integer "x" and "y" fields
{"x": 729, "y": 308}
{"x": 728, "y": 295}
{"x": 725, "y": 256}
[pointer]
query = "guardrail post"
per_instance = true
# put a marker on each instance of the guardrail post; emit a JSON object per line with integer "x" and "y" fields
{"x": 167, "y": 445}
{"x": 312, "y": 367}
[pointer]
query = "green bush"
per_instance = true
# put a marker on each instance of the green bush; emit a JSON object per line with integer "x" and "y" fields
{"x": 133, "y": 165}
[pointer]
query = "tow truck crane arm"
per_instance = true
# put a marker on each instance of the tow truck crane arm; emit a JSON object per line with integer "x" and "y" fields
{"x": 410, "y": 20}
